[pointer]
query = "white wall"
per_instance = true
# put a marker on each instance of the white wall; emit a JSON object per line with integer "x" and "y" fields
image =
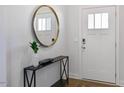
{"x": 19, "y": 54}
{"x": 121, "y": 44}
{"x": 2, "y": 49}
{"x": 73, "y": 40}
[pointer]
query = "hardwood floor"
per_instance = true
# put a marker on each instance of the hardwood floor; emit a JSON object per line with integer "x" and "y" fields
{"x": 87, "y": 83}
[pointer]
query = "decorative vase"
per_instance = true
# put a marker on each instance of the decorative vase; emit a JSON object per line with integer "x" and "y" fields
{"x": 35, "y": 60}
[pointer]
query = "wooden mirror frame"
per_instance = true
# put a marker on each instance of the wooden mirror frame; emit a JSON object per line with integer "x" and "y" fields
{"x": 57, "y": 19}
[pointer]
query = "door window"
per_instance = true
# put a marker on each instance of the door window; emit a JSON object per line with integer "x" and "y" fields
{"x": 98, "y": 21}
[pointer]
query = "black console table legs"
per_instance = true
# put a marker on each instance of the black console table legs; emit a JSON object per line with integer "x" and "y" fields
{"x": 29, "y": 82}
{"x": 64, "y": 70}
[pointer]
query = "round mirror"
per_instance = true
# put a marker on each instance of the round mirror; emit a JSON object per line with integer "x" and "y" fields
{"x": 46, "y": 25}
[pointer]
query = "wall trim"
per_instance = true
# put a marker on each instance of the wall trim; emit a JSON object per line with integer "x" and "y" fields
{"x": 3, "y": 84}
{"x": 121, "y": 83}
{"x": 117, "y": 44}
{"x": 74, "y": 76}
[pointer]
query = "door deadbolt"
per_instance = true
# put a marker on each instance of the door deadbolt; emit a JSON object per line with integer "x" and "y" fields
{"x": 84, "y": 41}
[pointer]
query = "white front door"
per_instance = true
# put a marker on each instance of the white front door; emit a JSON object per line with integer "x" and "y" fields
{"x": 98, "y": 44}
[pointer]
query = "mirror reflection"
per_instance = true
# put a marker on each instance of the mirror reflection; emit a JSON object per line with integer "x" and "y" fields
{"x": 46, "y": 25}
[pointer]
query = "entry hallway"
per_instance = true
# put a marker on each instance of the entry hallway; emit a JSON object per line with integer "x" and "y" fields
{"x": 43, "y": 44}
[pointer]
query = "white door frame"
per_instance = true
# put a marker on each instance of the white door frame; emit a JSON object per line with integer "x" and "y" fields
{"x": 116, "y": 40}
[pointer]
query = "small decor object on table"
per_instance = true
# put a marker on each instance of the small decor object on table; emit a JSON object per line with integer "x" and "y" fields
{"x": 35, "y": 48}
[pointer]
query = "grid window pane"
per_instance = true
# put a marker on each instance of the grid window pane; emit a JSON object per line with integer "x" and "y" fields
{"x": 98, "y": 21}
{"x": 105, "y": 24}
{"x": 91, "y": 21}
{"x": 41, "y": 24}
{"x": 48, "y": 23}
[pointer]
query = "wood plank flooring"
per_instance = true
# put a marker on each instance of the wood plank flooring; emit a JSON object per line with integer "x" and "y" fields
{"x": 87, "y": 83}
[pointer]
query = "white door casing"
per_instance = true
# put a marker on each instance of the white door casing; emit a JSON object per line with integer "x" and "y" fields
{"x": 98, "y": 57}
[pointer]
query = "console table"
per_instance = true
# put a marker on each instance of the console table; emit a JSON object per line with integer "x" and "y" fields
{"x": 64, "y": 70}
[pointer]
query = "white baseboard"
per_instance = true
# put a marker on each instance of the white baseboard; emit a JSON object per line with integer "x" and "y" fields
{"x": 3, "y": 84}
{"x": 74, "y": 76}
{"x": 121, "y": 83}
